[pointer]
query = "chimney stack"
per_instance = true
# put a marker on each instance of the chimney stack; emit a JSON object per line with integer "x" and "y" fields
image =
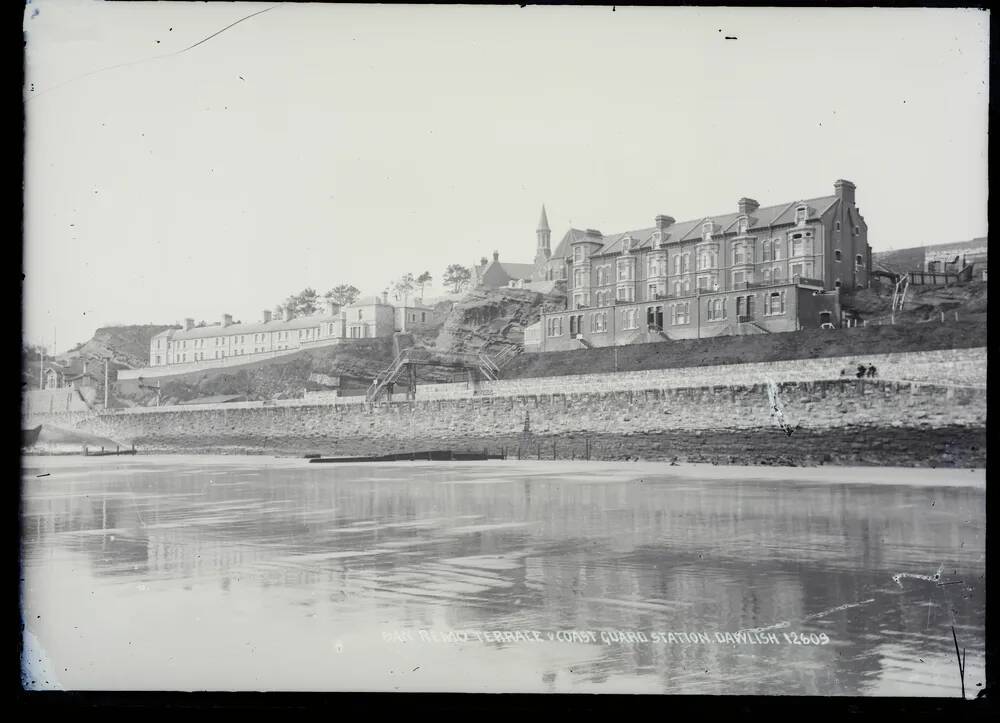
{"x": 747, "y": 205}
{"x": 188, "y": 324}
{"x": 227, "y": 320}
{"x": 332, "y": 308}
{"x": 385, "y": 297}
{"x": 845, "y": 191}
{"x": 266, "y": 315}
{"x": 288, "y": 313}
{"x": 483, "y": 261}
{"x": 594, "y": 232}
{"x": 496, "y": 255}
{"x": 662, "y": 222}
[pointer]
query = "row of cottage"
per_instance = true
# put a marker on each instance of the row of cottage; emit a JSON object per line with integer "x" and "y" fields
{"x": 366, "y": 318}
{"x": 758, "y": 270}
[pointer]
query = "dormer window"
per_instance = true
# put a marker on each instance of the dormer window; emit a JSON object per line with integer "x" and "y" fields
{"x": 657, "y": 240}
{"x": 706, "y": 230}
{"x": 743, "y": 224}
{"x": 800, "y": 215}
{"x": 626, "y": 244}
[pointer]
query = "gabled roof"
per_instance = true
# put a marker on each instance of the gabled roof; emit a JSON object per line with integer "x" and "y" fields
{"x": 514, "y": 271}
{"x": 779, "y": 215}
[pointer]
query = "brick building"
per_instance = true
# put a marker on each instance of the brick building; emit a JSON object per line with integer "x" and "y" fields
{"x": 755, "y": 270}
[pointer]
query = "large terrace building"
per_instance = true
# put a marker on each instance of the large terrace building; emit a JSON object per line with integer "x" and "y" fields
{"x": 367, "y": 318}
{"x": 754, "y": 270}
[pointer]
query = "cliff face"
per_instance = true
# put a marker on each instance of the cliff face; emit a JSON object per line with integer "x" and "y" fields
{"x": 126, "y": 345}
{"x": 488, "y": 317}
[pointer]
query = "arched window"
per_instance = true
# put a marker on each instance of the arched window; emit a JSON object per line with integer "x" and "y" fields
{"x": 836, "y": 255}
{"x": 859, "y": 262}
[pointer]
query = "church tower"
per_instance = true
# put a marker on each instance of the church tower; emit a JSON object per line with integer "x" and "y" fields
{"x": 544, "y": 234}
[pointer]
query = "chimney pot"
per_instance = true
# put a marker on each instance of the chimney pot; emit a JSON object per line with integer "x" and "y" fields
{"x": 266, "y": 315}
{"x": 845, "y": 190}
{"x": 663, "y": 221}
{"x": 288, "y": 313}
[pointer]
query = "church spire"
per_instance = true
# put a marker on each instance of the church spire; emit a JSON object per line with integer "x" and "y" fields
{"x": 543, "y": 222}
{"x": 543, "y": 251}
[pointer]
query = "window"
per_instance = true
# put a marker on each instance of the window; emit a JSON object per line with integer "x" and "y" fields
{"x": 575, "y": 325}
{"x": 836, "y": 255}
{"x": 775, "y": 303}
{"x": 580, "y": 277}
{"x": 836, "y": 226}
{"x": 744, "y": 308}
{"x": 707, "y": 282}
{"x": 625, "y": 269}
{"x": 706, "y": 230}
{"x": 777, "y": 248}
{"x": 801, "y": 244}
{"x": 836, "y": 284}
{"x": 360, "y": 312}
{"x": 581, "y": 300}
{"x": 707, "y": 259}
{"x": 680, "y": 313}
{"x": 626, "y": 244}
{"x": 578, "y": 254}
{"x": 599, "y": 322}
{"x": 776, "y": 273}
{"x": 626, "y": 293}
{"x": 801, "y": 270}
{"x": 654, "y": 317}
{"x": 554, "y": 326}
{"x": 630, "y": 319}
{"x": 682, "y": 287}
{"x": 742, "y": 224}
{"x": 857, "y": 231}
{"x": 859, "y": 262}
{"x": 765, "y": 252}
{"x": 716, "y": 309}
{"x": 657, "y": 265}
{"x": 681, "y": 263}
{"x": 740, "y": 254}
{"x": 657, "y": 239}
{"x": 738, "y": 278}
{"x": 800, "y": 215}
{"x": 423, "y": 317}
{"x": 602, "y": 275}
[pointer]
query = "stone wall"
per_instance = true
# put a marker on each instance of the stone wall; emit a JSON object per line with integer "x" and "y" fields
{"x": 839, "y": 421}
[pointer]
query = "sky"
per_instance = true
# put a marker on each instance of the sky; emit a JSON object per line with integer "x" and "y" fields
{"x": 314, "y": 145}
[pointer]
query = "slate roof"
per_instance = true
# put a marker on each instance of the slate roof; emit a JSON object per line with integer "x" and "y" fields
{"x": 779, "y": 215}
{"x": 216, "y": 329}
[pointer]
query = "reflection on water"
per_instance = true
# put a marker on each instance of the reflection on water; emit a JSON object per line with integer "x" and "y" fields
{"x": 279, "y": 575}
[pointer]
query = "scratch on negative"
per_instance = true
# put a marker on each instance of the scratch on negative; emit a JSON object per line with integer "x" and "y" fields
{"x": 155, "y": 57}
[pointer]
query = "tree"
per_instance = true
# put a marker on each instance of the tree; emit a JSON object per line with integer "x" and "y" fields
{"x": 457, "y": 277}
{"x": 344, "y": 294}
{"x": 422, "y": 281}
{"x": 403, "y": 286}
{"x": 303, "y": 303}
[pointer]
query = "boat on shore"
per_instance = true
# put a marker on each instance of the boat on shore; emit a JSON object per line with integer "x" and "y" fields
{"x": 30, "y": 436}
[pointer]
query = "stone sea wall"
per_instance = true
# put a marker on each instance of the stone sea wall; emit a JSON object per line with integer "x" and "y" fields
{"x": 842, "y": 421}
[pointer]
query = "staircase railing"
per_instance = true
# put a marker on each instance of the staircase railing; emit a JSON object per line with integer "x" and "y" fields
{"x": 387, "y": 376}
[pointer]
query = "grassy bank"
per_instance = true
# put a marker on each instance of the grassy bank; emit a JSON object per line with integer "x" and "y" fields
{"x": 805, "y": 344}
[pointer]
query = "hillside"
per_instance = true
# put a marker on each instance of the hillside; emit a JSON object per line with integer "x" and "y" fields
{"x": 922, "y": 303}
{"x": 127, "y": 345}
